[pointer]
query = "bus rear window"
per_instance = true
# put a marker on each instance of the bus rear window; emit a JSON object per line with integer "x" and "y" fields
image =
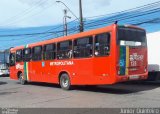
{"x": 131, "y": 37}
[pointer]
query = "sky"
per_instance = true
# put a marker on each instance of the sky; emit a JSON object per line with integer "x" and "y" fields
{"x": 36, "y": 13}
{"x": 37, "y": 16}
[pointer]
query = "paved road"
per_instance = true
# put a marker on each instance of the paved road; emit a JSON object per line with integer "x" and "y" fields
{"x": 12, "y": 94}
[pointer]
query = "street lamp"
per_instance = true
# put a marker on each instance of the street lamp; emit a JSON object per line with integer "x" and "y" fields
{"x": 80, "y": 10}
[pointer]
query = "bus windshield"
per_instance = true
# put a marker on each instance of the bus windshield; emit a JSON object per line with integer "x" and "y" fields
{"x": 131, "y": 37}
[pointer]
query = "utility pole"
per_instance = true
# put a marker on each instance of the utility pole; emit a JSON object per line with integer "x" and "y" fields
{"x": 81, "y": 16}
{"x": 65, "y": 22}
{"x": 80, "y": 19}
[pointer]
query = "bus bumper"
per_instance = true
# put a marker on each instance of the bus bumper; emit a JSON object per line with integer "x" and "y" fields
{"x": 132, "y": 77}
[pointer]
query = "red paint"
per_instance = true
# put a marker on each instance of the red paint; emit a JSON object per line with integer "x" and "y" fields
{"x": 137, "y": 60}
{"x": 86, "y": 71}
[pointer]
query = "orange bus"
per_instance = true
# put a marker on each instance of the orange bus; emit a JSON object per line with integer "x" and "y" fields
{"x": 97, "y": 57}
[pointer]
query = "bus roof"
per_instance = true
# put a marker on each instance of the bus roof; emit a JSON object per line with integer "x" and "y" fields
{"x": 77, "y": 35}
{"x": 69, "y": 37}
{"x": 131, "y": 26}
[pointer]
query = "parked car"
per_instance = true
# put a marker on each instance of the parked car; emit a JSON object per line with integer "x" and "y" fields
{"x": 4, "y": 70}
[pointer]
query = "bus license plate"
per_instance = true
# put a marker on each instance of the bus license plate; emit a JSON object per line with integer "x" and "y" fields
{"x": 134, "y": 77}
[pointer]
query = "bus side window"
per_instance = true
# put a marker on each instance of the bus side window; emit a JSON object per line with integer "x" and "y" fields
{"x": 102, "y": 44}
{"x": 27, "y": 54}
{"x": 83, "y": 47}
{"x": 12, "y": 59}
{"x": 18, "y": 55}
{"x": 64, "y": 50}
{"x": 37, "y": 53}
{"x": 49, "y": 52}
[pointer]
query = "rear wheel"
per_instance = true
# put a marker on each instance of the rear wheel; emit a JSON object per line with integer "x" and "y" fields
{"x": 65, "y": 82}
{"x": 22, "y": 80}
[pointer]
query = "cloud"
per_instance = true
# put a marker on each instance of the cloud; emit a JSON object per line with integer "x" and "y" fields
{"x": 103, "y": 2}
{"x": 95, "y": 7}
{"x": 97, "y": 3}
{"x": 39, "y": 3}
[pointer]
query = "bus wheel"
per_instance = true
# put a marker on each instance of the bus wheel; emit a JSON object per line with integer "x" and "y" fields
{"x": 22, "y": 80}
{"x": 65, "y": 82}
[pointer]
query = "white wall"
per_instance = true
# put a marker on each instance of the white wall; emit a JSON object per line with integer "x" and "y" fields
{"x": 153, "y": 41}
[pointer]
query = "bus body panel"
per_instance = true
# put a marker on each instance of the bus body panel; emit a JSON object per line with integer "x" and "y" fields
{"x": 82, "y": 71}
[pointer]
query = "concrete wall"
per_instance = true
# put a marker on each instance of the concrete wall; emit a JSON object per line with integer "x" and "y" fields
{"x": 153, "y": 40}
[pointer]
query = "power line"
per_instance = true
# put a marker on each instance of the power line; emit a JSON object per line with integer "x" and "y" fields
{"x": 128, "y": 10}
{"x": 46, "y": 37}
{"x": 145, "y": 7}
{"x": 124, "y": 16}
{"x": 87, "y": 24}
{"x": 127, "y": 15}
{"x": 21, "y": 14}
{"x": 41, "y": 37}
{"x": 21, "y": 18}
{"x": 16, "y": 42}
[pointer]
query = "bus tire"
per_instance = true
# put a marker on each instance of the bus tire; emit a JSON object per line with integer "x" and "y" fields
{"x": 65, "y": 82}
{"x": 22, "y": 80}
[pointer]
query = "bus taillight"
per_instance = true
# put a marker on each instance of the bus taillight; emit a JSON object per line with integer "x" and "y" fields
{"x": 118, "y": 70}
{"x": 145, "y": 69}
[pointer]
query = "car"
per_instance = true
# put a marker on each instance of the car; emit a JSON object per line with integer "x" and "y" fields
{"x": 4, "y": 70}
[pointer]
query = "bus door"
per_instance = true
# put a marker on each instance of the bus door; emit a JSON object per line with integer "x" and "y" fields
{"x": 36, "y": 63}
{"x": 102, "y": 59}
{"x": 83, "y": 59}
{"x": 12, "y": 65}
{"x": 48, "y": 69}
{"x": 28, "y": 73}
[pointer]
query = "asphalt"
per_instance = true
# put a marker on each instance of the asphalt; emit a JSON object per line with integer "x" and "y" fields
{"x": 42, "y": 95}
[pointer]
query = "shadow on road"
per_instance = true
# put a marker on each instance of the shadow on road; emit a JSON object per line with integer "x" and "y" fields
{"x": 104, "y": 89}
{"x": 42, "y": 84}
{"x": 121, "y": 88}
{"x": 2, "y": 83}
{"x": 6, "y": 93}
{"x": 1, "y": 76}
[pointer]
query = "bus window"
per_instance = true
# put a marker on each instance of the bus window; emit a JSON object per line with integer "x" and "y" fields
{"x": 18, "y": 55}
{"x": 102, "y": 44}
{"x": 64, "y": 50}
{"x": 83, "y": 47}
{"x": 131, "y": 37}
{"x": 12, "y": 59}
{"x": 27, "y": 54}
{"x": 37, "y": 53}
{"x": 49, "y": 52}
